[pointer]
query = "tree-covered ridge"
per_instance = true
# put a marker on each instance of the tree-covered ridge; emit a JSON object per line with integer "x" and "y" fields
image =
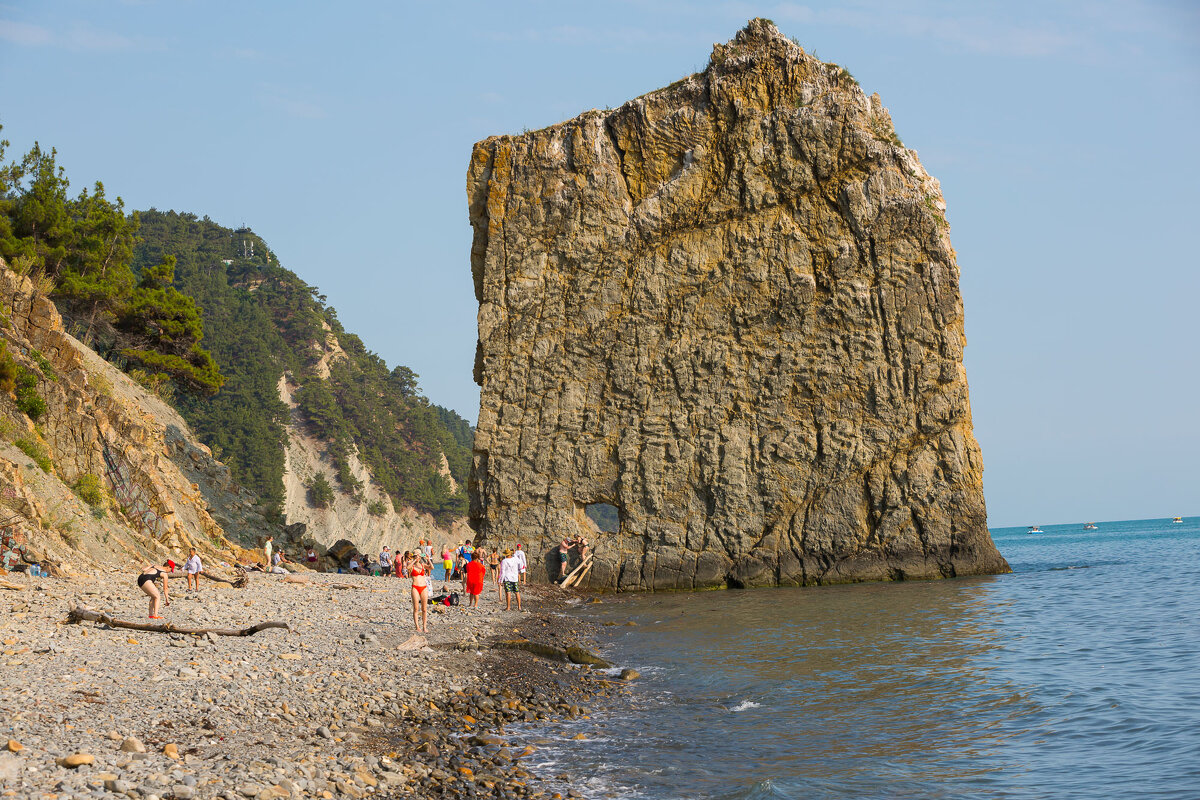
{"x": 78, "y": 251}
{"x": 262, "y": 321}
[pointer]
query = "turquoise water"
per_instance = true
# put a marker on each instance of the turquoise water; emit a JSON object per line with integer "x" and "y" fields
{"x": 1078, "y": 676}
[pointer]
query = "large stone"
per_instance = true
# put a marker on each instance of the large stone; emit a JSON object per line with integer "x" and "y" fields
{"x": 729, "y": 308}
{"x": 77, "y": 760}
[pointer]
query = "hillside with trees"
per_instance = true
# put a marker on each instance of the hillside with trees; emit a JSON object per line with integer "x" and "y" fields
{"x": 204, "y": 316}
{"x": 78, "y": 251}
{"x": 262, "y": 321}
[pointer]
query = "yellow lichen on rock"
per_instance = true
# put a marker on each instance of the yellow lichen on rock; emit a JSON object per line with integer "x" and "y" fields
{"x": 730, "y": 308}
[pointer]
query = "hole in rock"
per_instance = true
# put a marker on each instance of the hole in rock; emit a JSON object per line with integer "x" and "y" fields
{"x": 606, "y": 516}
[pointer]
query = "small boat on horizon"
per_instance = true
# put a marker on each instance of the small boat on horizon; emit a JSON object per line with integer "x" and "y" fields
{"x": 1034, "y": 529}
{"x": 1177, "y": 519}
{"x": 1091, "y": 526}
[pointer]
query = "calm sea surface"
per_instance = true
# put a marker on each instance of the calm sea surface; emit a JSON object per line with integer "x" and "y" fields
{"x": 1076, "y": 676}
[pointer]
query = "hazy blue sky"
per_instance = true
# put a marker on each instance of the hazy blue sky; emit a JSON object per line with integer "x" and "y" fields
{"x": 1064, "y": 134}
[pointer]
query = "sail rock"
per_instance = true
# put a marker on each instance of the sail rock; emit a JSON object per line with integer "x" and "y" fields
{"x": 730, "y": 308}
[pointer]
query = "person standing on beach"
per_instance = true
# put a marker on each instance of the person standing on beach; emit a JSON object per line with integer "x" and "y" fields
{"x": 194, "y": 568}
{"x": 475, "y": 571}
{"x": 564, "y": 549}
{"x": 146, "y": 582}
{"x": 385, "y": 561}
{"x": 494, "y": 567}
{"x": 520, "y": 556}
{"x": 447, "y": 562}
{"x": 268, "y": 551}
{"x": 510, "y": 576}
{"x": 418, "y": 569}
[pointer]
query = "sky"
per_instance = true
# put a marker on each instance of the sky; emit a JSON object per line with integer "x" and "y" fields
{"x": 1063, "y": 133}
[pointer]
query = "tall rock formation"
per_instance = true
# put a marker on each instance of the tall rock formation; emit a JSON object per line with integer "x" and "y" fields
{"x": 730, "y": 308}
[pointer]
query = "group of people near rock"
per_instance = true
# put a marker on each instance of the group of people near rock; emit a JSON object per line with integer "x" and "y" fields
{"x": 468, "y": 564}
{"x": 471, "y": 565}
{"x": 564, "y": 553}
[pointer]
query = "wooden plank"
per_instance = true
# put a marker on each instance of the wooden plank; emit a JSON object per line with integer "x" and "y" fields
{"x": 570, "y": 577}
{"x": 578, "y": 579}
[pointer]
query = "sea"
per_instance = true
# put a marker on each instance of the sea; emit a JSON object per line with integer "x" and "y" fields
{"x": 1076, "y": 676}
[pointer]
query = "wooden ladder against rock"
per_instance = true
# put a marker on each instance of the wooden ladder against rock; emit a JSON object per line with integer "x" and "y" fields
{"x": 576, "y": 575}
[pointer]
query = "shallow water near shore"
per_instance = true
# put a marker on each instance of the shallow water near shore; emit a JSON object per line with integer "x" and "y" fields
{"x": 1076, "y": 676}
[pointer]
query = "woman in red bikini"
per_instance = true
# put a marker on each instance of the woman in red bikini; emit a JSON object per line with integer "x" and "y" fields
{"x": 419, "y": 570}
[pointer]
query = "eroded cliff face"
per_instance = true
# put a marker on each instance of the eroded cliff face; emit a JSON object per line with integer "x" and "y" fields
{"x": 730, "y": 308}
{"x": 347, "y": 517}
{"x": 162, "y": 491}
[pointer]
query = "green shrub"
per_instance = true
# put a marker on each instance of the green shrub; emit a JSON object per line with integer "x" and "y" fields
{"x": 44, "y": 365}
{"x": 36, "y": 451}
{"x": 320, "y": 493}
{"x": 90, "y": 490}
{"x": 377, "y": 508}
{"x": 28, "y": 399}
{"x": 158, "y": 383}
{"x": 8, "y": 370}
{"x": 101, "y": 384}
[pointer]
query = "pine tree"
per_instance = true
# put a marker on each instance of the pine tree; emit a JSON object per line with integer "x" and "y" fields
{"x": 39, "y": 219}
{"x": 97, "y": 281}
{"x": 163, "y": 328}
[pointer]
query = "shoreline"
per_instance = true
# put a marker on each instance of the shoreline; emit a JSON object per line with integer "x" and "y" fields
{"x": 344, "y": 706}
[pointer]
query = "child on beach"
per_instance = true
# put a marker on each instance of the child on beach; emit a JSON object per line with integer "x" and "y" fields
{"x": 194, "y": 568}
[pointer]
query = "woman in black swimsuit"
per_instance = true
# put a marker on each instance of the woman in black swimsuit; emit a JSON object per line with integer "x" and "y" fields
{"x": 494, "y": 564}
{"x": 146, "y": 582}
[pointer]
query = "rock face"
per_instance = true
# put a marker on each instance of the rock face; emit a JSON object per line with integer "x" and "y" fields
{"x": 348, "y": 517}
{"x": 730, "y": 308}
{"x": 163, "y": 492}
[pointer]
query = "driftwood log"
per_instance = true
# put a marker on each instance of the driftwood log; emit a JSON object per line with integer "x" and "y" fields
{"x": 79, "y": 614}
{"x": 577, "y": 578}
{"x": 16, "y": 587}
{"x": 237, "y": 582}
{"x": 575, "y": 573}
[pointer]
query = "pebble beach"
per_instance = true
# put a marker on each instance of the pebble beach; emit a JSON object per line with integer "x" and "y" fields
{"x": 349, "y": 703}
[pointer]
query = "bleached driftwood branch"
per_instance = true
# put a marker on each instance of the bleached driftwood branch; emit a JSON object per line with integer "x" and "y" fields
{"x": 80, "y": 614}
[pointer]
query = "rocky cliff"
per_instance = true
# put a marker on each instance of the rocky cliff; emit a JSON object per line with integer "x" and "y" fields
{"x": 348, "y": 517}
{"x": 730, "y": 308}
{"x": 108, "y": 474}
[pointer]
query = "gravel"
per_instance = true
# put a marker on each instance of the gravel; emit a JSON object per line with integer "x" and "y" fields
{"x": 350, "y": 704}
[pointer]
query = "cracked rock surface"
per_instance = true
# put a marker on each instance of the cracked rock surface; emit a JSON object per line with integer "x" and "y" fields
{"x": 729, "y": 308}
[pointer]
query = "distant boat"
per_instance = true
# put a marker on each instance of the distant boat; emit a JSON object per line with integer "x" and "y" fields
{"x": 1091, "y": 526}
{"x": 1035, "y": 529}
{"x": 1177, "y": 519}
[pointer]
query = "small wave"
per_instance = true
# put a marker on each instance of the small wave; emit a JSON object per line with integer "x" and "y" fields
{"x": 745, "y": 705}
